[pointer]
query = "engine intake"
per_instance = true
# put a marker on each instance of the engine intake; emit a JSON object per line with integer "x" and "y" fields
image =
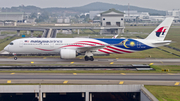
{"x": 67, "y": 53}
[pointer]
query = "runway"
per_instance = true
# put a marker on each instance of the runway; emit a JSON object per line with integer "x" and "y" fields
{"x": 147, "y": 79}
{"x": 10, "y": 60}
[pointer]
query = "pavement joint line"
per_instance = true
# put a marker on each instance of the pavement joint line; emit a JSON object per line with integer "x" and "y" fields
{"x": 65, "y": 82}
{"x": 121, "y": 82}
{"x": 123, "y": 74}
{"x": 8, "y": 81}
{"x": 74, "y": 73}
{"x": 177, "y": 83}
{"x": 12, "y": 73}
{"x": 112, "y": 63}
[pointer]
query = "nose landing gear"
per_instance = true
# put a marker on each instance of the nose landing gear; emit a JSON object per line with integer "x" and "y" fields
{"x": 15, "y": 57}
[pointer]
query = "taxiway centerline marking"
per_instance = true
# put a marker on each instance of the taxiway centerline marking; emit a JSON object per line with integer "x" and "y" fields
{"x": 65, "y": 82}
{"x": 12, "y": 73}
{"x": 170, "y": 73}
{"x": 121, "y": 82}
{"x": 8, "y": 81}
{"x": 112, "y": 63}
{"x": 177, "y": 83}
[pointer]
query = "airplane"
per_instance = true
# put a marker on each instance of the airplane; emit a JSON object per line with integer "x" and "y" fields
{"x": 69, "y": 48}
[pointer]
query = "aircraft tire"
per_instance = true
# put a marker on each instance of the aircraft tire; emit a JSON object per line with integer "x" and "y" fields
{"x": 91, "y": 58}
{"x": 86, "y": 58}
{"x": 15, "y": 58}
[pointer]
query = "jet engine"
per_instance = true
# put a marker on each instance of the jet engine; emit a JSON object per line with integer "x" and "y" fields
{"x": 67, "y": 53}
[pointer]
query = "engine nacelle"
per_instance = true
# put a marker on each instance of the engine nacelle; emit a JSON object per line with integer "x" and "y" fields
{"x": 67, "y": 53}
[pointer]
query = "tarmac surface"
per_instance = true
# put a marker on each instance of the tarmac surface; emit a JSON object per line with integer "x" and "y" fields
{"x": 77, "y": 78}
{"x": 82, "y": 78}
{"x": 10, "y": 60}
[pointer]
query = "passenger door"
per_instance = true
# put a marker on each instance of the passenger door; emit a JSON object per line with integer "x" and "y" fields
{"x": 21, "y": 43}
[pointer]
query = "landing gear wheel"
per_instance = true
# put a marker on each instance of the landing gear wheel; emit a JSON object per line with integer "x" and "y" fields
{"x": 91, "y": 58}
{"x": 15, "y": 58}
{"x": 86, "y": 58}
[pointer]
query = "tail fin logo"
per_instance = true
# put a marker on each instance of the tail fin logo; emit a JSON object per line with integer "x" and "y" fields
{"x": 161, "y": 30}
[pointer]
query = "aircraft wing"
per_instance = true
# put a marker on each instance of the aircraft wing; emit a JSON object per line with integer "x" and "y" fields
{"x": 87, "y": 48}
{"x": 91, "y": 48}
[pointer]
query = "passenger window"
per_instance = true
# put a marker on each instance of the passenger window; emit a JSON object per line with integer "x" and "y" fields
{"x": 11, "y": 43}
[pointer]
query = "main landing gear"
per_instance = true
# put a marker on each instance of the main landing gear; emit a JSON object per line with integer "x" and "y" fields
{"x": 86, "y": 58}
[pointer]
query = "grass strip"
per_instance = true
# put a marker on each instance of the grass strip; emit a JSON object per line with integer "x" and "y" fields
{"x": 165, "y": 93}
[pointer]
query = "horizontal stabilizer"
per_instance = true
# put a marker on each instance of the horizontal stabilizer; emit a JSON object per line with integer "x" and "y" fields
{"x": 162, "y": 42}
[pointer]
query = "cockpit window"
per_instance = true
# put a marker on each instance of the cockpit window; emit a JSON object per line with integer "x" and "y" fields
{"x": 11, "y": 43}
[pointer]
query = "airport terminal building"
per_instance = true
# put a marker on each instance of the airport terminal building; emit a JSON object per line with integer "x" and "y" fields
{"x": 10, "y": 18}
{"x": 113, "y": 20}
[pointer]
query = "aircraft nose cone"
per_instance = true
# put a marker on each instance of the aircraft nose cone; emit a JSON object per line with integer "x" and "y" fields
{"x": 6, "y": 48}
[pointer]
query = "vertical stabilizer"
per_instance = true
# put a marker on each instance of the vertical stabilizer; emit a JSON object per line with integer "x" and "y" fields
{"x": 161, "y": 31}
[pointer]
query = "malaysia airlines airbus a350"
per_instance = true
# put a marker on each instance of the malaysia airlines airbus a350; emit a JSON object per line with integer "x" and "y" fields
{"x": 71, "y": 47}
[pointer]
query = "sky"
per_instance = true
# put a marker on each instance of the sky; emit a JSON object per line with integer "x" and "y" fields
{"x": 152, "y": 4}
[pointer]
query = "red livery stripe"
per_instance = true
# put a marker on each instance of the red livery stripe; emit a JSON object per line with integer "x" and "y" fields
{"x": 45, "y": 49}
{"x": 85, "y": 43}
{"x": 104, "y": 51}
{"x": 72, "y": 46}
{"x": 112, "y": 51}
{"x": 92, "y": 42}
{"x": 119, "y": 49}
